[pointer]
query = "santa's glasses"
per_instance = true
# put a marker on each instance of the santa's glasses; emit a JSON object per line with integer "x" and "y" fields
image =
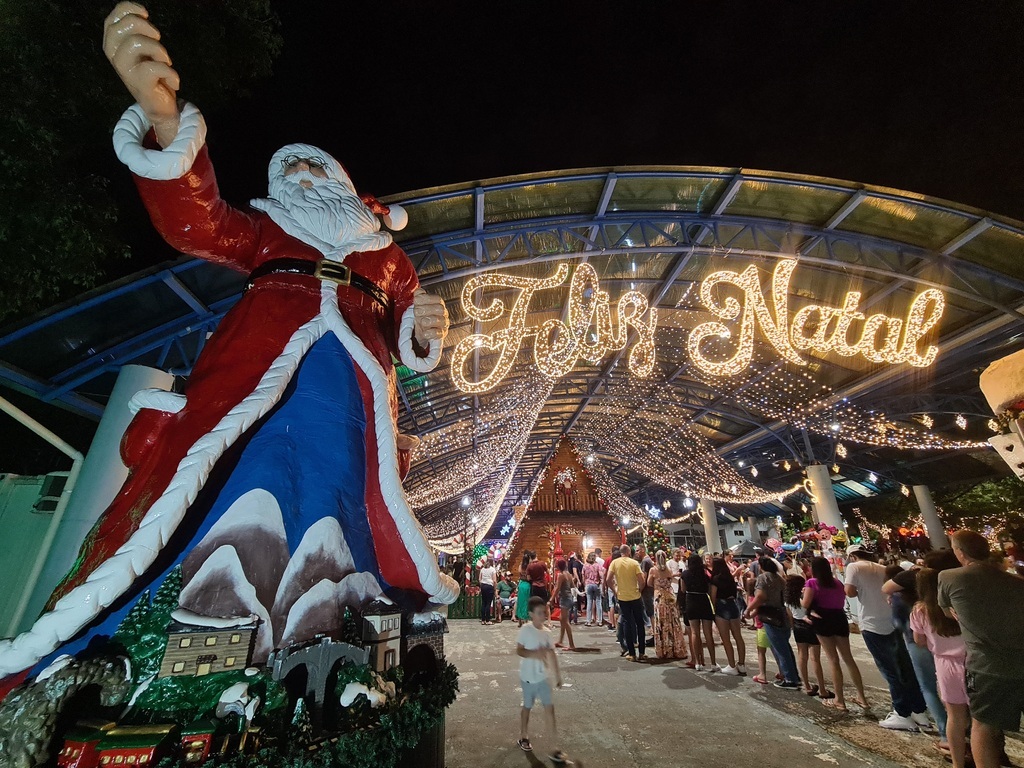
{"x": 316, "y": 165}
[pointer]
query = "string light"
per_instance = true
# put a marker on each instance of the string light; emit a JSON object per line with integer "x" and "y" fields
{"x": 961, "y": 421}
{"x": 994, "y": 426}
{"x": 835, "y": 469}
{"x": 637, "y": 422}
{"x": 588, "y": 332}
{"x": 788, "y": 335}
{"x": 841, "y": 451}
{"x": 904, "y": 490}
{"x": 928, "y": 421}
{"x": 753, "y": 472}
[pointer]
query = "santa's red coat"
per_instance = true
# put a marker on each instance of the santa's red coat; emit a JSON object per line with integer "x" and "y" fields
{"x": 191, "y": 216}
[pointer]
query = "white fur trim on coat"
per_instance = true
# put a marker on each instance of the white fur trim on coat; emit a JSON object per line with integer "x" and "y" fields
{"x": 406, "y": 352}
{"x": 174, "y": 160}
{"x": 157, "y": 400}
{"x": 113, "y": 577}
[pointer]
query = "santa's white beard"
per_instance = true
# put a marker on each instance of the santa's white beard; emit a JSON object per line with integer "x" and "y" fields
{"x": 328, "y": 215}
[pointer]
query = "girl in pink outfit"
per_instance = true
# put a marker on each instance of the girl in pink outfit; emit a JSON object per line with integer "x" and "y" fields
{"x": 941, "y": 634}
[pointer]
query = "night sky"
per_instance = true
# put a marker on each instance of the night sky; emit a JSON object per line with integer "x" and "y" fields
{"x": 920, "y": 96}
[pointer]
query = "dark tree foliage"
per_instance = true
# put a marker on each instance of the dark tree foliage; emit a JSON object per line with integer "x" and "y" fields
{"x": 58, "y": 226}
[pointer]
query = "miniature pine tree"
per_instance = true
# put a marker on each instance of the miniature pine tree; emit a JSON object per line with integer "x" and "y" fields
{"x": 350, "y": 632}
{"x": 166, "y": 599}
{"x": 134, "y": 620}
{"x": 302, "y": 725}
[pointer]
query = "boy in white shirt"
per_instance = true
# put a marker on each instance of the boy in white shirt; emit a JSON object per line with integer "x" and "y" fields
{"x": 536, "y": 653}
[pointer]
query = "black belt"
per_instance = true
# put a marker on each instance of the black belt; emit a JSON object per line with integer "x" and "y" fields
{"x": 321, "y": 270}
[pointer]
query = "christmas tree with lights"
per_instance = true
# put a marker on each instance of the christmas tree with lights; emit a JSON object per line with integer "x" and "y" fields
{"x": 657, "y": 538}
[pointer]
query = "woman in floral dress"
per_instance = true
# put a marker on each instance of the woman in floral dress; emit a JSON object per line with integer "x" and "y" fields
{"x": 669, "y": 640}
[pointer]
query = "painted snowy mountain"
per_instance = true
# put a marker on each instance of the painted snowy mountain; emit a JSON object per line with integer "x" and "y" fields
{"x": 242, "y": 567}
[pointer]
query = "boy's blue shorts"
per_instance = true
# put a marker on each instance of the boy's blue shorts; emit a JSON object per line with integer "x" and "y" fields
{"x": 536, "y": 692}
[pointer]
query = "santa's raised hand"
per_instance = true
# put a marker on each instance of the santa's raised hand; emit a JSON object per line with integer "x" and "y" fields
{"x": 132, "y": 44}
{"x": 431, "y": 316}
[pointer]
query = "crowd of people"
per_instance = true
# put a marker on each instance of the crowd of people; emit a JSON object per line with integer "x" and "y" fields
{"x": 946, "y": 633}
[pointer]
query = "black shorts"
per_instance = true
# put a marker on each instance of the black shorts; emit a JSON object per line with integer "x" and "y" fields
{"x": 542, "y": 592}
{"x": 803, "y": 633}
{"x": 698, "y": 607}
{"x": 996, "y": 701}
{"x": 830, "y": 622}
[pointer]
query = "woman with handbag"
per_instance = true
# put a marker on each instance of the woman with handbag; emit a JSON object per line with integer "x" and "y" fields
{"x": 769, "y": 605}
{"x": 825, "y": 600}
{"x": 699, "y": 612}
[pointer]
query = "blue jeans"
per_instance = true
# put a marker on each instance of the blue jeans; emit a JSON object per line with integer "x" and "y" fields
{"x": 595, "y": 614}
{"x": 779, "y": 638}
{"x": 924, "y": 669}
{"x": 893, "y": 661}
{"x": 632, "y": 619}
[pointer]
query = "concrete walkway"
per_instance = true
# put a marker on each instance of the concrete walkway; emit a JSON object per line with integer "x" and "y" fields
{"x": 615, "y": 713}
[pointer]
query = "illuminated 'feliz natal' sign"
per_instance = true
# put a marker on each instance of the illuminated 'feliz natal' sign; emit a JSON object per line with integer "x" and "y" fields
{"x": 589, "y": 333}
{"x": 822, "y": 328}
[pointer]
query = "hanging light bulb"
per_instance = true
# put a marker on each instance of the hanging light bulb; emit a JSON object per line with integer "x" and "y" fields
{"x": 928, "y": 421}
{"x": 841, "y": 451}
{"x": 753, "y": 471}
{"x": 904, "y": 490}
{"x": 835, "y": 469}
{"x": 994, "y": 426}
{"x": 961, "y": 421}
{"x": 872, "y": 478}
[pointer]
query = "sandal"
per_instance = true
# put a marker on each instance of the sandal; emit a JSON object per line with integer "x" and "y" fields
{"x": 759, "y": 679}
{"x": 558, "y": 757}
{"x": 812, "y": 691}
{"x": 525, "y": 745}
{"x": 826, "y": 695}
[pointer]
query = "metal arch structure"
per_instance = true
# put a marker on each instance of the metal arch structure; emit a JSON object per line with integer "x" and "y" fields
{"x": 674, "y": 222}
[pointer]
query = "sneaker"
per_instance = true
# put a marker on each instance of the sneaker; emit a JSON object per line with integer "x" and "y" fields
{"x": 786, "y": 685}
{"x": 921, "y": 719}
{"x": 730, "y": 671}
{"x": 699, "y": 668}
{"x": 742, "y": 669}
{"x": 714, "y": 668}
{"x": 896, "y": 722}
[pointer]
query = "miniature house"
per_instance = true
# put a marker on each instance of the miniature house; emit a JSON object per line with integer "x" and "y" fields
{"x": 382, "y": 635}
{"x": 198, "y": 651}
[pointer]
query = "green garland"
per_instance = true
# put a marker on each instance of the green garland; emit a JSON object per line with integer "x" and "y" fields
{"x": 401, "y": 727}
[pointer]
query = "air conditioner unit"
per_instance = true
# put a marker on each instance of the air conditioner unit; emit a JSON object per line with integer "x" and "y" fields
{"x": 50, "y": 493}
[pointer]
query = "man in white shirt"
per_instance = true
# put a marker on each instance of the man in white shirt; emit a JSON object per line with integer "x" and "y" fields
{"x": 675, "y": 565}
{"x": 864, "y": 580}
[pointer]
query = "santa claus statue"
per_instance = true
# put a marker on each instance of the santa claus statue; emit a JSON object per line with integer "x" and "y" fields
{"x": 274, "y": 480}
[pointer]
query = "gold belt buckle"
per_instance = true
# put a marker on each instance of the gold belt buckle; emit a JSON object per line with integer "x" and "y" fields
{"x": 330, "y": 270}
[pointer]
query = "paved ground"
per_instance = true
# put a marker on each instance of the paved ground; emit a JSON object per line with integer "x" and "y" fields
{"x": 614, "y": 713}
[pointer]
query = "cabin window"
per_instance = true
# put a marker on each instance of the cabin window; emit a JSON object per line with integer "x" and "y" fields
{"x": 132, "y": 759}
{"x": 229, "y": 661}
{"x": 211, "y": 641}
{"x": 105, "y": 759}
{"x": 119, "y": 759}
{"x": 185, "y": 642}
{"x": 179, "y": 666}
{"x": 143, "y": 758}
{"x": 236, "y": 638}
